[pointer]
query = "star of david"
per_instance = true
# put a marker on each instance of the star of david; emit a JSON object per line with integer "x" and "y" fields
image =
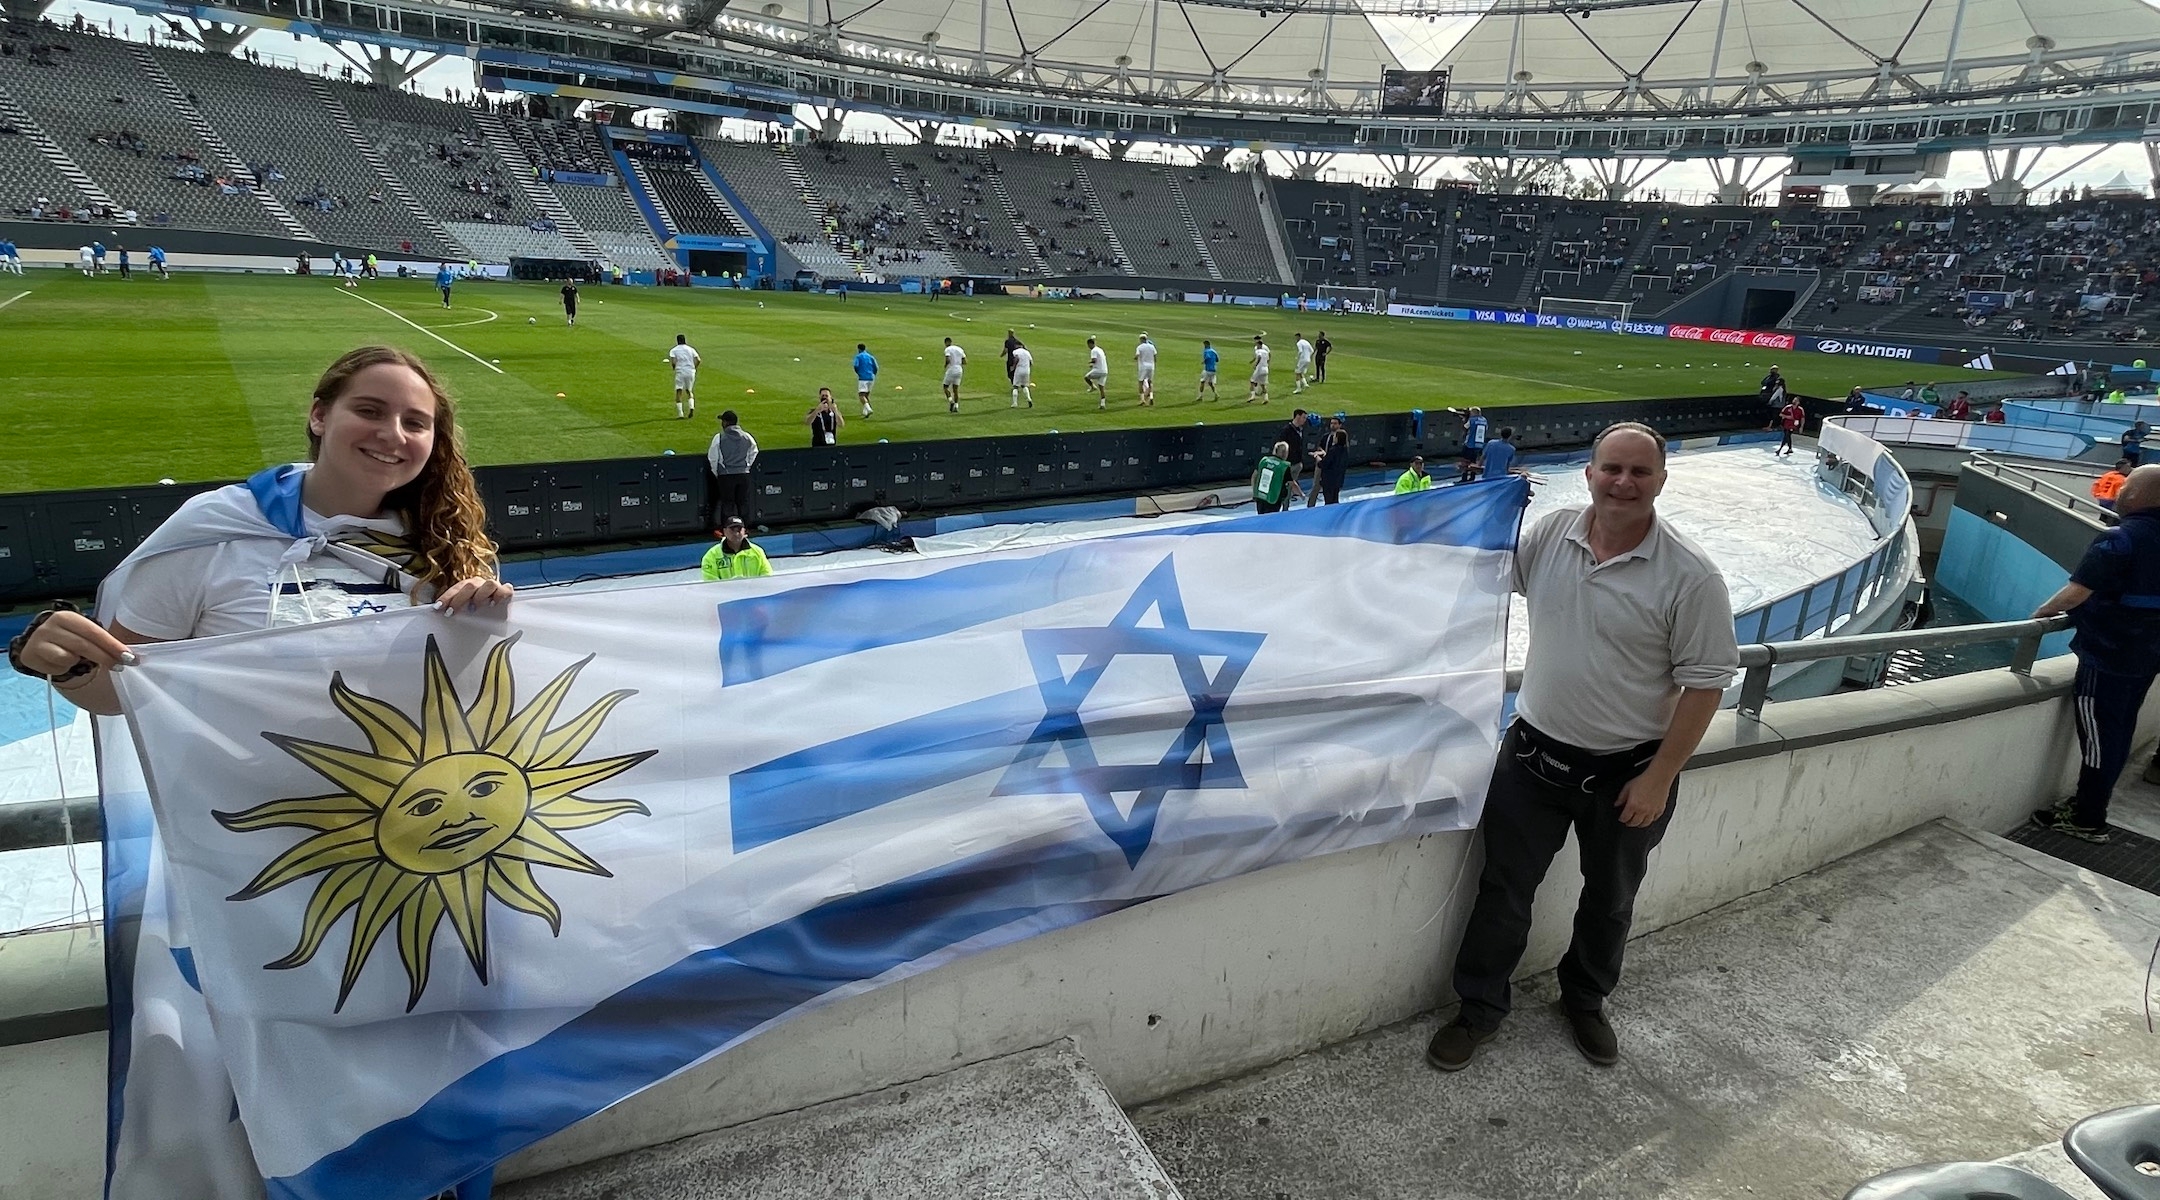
{"x": 365, "y": 606}
{"x": 1200, "y": 757}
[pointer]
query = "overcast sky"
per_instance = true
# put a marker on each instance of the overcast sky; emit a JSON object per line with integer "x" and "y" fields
{"x": 1416, "y": 42}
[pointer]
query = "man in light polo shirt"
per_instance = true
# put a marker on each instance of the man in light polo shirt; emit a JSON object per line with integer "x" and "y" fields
{"x": 1631, "y": 645}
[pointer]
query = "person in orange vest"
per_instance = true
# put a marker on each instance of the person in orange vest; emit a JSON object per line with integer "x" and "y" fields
{"x": 1791, "y": 418}
{"x": 2105, "y": 487}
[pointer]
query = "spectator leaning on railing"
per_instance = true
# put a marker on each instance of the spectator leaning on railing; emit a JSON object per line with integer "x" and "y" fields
{"x": 2113, "y": 599}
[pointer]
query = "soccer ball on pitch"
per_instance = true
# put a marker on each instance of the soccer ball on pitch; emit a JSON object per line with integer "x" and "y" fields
{"x": 532, "y": 320}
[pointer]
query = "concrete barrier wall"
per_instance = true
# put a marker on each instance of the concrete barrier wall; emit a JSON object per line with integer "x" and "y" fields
{"x": 1229, "y": 977}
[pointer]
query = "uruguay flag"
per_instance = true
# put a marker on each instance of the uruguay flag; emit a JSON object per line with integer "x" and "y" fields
{"x": 441, "y": 887}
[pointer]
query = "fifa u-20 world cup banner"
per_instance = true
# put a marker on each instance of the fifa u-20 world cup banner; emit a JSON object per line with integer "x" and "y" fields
{"x": 423, "y": 890}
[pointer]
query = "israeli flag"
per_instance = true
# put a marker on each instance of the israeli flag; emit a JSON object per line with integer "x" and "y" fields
{"x": 426, "y": 890}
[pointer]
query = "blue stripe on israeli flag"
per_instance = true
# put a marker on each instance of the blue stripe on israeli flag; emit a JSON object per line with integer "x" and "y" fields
{"x": 763, "y": 636}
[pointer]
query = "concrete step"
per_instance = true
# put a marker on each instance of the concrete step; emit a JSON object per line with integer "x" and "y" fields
{"x": 1038, "y": 1124}
{"x": 1945, "y": 995}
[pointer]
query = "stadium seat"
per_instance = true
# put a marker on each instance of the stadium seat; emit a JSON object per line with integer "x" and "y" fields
{"x": 2119, "y": 1151}
{"x": 1957, "y": 1181}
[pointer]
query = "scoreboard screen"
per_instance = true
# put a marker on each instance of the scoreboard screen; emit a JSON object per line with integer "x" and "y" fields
{"x": 1413, "y": 93}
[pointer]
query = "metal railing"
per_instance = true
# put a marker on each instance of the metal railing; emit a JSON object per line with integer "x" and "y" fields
{"x": 1757, "y": 660}
{"x": 2102, "y": 423}
{"x": 2029, "y": 440}
{"x": 2027, "y": 477}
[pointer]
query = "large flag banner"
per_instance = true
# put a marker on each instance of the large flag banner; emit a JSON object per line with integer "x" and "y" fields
{"x": 423, "y": 890}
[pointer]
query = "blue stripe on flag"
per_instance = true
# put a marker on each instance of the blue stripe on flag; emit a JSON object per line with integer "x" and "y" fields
{"x": 673, "y": 1019}
{"x": 763, "y": 636}
{"x": 811, "y": 787}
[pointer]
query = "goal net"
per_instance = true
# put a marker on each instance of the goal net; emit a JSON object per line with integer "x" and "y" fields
{"x": 1354, "y": 299}
{"x": 1615, "y": 311}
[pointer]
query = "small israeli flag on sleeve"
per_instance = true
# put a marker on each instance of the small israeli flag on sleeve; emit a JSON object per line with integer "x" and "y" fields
{"x": 451, "y": 885}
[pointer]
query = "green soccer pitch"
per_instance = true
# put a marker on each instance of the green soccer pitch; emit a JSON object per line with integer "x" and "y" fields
{"x": 105, "y": 382}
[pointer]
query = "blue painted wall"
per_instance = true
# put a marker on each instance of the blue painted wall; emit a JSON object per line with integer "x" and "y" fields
{"x": 1997, "y": 574}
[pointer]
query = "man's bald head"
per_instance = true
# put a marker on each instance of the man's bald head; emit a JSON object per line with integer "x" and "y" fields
{"x": 2140, "y": 491}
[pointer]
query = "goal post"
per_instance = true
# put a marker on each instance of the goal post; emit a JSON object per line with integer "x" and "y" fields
{"x": 1616, "y": 311}
{"x": 1354, "y": 299}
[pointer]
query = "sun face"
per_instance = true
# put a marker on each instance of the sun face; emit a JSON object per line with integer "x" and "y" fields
{"x": 438, "y": 815}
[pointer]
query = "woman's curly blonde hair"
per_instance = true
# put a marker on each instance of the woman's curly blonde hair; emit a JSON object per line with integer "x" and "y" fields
{"x": 441, "y": 508}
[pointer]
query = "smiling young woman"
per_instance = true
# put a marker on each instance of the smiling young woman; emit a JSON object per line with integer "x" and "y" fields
{"x": 383, "y": 515}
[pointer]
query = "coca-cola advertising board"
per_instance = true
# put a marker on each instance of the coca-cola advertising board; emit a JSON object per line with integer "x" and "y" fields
{"x": 1730, "y": 337}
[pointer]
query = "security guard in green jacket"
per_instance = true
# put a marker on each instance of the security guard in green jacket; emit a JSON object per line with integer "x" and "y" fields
{"x": 736, "y": 557}
{"x": 1271, "y": 478}
{"x": 1415, "y": 479}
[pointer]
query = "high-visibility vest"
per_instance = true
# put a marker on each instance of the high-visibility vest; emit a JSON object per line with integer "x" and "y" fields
{"x": 746, "y": 563}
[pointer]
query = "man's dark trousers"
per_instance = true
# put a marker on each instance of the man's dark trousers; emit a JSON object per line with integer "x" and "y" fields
{"x": 2106, "y": 706}
{"x": 732, "y": 498}
{"x": 1526, "y": 822}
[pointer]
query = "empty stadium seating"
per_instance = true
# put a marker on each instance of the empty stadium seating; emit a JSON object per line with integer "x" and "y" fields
{"x": 1220, "y": 196}
{"x": 1049, "y": 200}
{"x": 1142, "y": 205}
{"x": 273, "y": 120}
{"x": 616, "y": 225}
{"x": 688, "y": 202}
{"x": 954, "y": 189}
{"x": 439, "y": 153}
{"x": 757, "y": 175}
{"x": 96, "y": 104}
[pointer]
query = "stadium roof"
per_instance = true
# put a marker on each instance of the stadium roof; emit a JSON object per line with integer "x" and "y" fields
{"x": 1832, "y": 49}
{"x": 1526, "y": 55}
{"x": 1146, "y": 36}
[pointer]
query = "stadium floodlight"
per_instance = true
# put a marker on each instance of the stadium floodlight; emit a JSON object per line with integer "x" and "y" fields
{"x": 1616, "y": 312}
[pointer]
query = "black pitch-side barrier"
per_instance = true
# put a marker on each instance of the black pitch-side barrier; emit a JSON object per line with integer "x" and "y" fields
{"x": 56, "y": 544}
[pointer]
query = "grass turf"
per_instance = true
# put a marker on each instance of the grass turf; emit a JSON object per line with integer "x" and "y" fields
{"x": 105, "y": 382}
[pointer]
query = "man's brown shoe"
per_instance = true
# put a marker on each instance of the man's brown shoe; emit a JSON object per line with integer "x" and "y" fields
{"x": 1594, "y": 1035}
{"x": 1455, "y": 1045}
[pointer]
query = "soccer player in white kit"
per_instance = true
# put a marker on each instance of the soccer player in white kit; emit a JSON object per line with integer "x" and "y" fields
{"x": 1144, "y": 370}
{"x": 1302, "y": 374}
{"x": 686, "y": 362}
{"x": 1023, "y": 376}
{"x": 1098, "y": 374}
{"x": 1257, "y": 393}
{"x": 955, "y": 359}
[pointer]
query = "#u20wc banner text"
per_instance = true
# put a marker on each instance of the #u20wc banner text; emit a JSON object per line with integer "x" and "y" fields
{"x": 424, "y": 890}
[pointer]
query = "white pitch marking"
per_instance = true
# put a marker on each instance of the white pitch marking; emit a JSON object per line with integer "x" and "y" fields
{"x": 492, "y": 315}
{"x": 424, "y": 329}
{"x": 12, "y": 299}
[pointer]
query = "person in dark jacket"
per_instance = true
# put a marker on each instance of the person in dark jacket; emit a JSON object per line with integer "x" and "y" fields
{"x": 732, "y": 453}
{"x": 2113, "y": 599}
{"x": 1331, "y": 462}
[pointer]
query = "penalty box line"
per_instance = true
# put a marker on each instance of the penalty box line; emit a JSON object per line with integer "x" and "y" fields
{"x": 424, "y": 329}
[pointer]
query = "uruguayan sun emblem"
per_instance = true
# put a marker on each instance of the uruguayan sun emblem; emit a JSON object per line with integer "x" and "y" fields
{"x": 438, "y": 814}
